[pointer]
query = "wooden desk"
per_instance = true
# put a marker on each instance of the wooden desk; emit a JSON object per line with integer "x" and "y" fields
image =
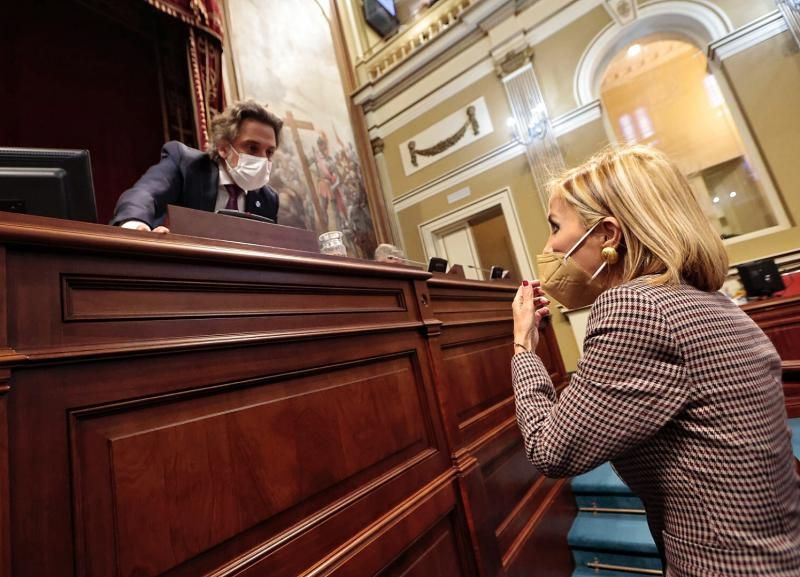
{"x": 182, "y": 407}
{"x": 779, "y": 318}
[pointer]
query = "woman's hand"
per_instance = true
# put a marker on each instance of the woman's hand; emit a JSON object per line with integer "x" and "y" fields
{"x": 529, "y": 307}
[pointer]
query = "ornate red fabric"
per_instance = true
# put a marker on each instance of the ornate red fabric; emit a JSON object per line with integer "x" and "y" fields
{"x": 204, "y": 18}
{"x": 203, "y": 14}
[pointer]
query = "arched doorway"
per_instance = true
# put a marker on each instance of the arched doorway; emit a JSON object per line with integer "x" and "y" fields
{"x": 669, "y": 38}
{"x": 658, "y": 91}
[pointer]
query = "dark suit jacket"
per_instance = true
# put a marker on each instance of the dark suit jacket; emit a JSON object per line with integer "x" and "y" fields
{"x": 186, "y": 177}
{"x": 682, "y": 392}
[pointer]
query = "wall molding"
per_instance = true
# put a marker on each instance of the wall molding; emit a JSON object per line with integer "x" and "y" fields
{"x": 698, "y": 20}
{"x": 382, "y": 123}
{"x": 576, "y": 118}
{"x": 559, "y": 20}
{"x": 747, "y": 36}
{"x": 462, "y": 128}
{"x": 488, "y": 161}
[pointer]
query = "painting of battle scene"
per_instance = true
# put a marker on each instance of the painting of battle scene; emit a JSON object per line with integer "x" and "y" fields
{"x": 284, "y": 56}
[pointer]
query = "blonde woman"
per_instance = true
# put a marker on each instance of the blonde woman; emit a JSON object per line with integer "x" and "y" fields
{"x": 677, "y": 387}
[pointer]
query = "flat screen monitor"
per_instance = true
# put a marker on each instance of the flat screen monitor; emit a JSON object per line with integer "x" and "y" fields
{"x": 381, "y": 15}
{"x": 47, "y": 182}
{"x": 760, "y": 278}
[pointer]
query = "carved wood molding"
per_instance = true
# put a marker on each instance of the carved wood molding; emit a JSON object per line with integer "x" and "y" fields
{"x": 203, "y": 342}
{"x": 72, "y": 235}
{"x": 448, "y": 142}
{"x": 91, "y": 298}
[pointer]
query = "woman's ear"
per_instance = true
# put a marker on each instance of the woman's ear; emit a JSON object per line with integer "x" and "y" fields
{"x": 611, "y": 231}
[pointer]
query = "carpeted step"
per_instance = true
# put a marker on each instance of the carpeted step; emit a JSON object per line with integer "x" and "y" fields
{"x": 612, "y": 533}
{"x": 603, "y": 488}
{"x": 794, "y": 425}
{"x": 613, "y": 540}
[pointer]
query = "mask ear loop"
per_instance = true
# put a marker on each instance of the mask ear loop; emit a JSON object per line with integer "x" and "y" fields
{"x": 599, "y": 270}
{"x": 580, "y": 241}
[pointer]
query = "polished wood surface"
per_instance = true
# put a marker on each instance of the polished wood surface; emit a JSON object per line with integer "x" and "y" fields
{"x": 779, "y": 318}
{"x": 180, "y": 406}
{"x": 517, "y": 510}
{"x": 201, "y": 223}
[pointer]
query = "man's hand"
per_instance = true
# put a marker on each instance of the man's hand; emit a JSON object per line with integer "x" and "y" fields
{"x": 139, "y": 225}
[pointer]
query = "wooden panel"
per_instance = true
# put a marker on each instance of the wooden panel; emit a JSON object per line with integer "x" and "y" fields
{"x": 204, "y": 224}
{"x": 480, "y": 378}
{"x": 214, "y": 466}
{"x": 470, "y": 301}
{"x": 779, "y": 318}
{"x": 509, "y": 505}
{"x": 791, "y": 387}
{"x": 424, "y": 540}
{"x": 185, "y": 407}
{"x": 436, "y": 553}
{"x": 5, "y": 529}
{"x": 87, "y": 298}
{"x": 95, "y": 301}
{"x": 543, "y": 542}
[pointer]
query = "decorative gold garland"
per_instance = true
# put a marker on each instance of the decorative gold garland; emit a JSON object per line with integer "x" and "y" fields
{"x": 448, "y": 142}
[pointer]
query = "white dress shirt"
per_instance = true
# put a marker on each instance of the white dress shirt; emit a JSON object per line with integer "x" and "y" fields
{"x": 222, "y": 197}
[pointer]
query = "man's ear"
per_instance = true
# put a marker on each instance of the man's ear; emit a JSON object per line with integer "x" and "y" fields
{"x": 611, "y": 231}
{"x": 224, "y": 149}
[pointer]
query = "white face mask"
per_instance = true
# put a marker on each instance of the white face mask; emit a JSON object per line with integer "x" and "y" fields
{"x": 251, "y": 172}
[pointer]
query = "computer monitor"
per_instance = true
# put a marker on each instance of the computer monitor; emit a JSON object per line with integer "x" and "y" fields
{"x": 760, "y": 278}
{"x": 47, "y": 182}
{"x": 381, "y": 15}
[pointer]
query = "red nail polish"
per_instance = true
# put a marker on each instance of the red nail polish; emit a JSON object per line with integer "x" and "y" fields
{"x": 524, "y": 283}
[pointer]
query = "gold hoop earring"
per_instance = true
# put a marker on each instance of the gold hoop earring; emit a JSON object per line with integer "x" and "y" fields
{"x": 610, "y": 255}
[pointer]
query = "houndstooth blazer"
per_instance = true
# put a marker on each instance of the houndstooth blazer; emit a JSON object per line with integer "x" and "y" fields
{"x": 682, "y": 392}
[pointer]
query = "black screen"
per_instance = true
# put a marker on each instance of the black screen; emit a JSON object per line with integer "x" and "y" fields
{"x": 381, "y": 16}
{"x": 47, "y": 182}
{"x": 760, "y": 278}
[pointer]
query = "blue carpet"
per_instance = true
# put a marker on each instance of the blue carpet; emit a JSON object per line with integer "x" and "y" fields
{"x": 612, "y": 532}
{"x": 794, "y": 425}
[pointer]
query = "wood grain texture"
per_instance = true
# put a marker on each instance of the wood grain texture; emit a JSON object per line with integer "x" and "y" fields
{"x": 5, "y": 495}
{"x": 779, "y": 318}
{"x": 502, "y": 491}
{"x": 186, "y": 407}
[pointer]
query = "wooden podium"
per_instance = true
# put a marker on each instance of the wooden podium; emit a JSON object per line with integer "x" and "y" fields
{"x": 176, "y": 406}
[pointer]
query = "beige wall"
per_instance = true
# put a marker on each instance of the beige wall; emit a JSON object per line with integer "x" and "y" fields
{"x": 766, "y": 82}
{"x": 556, "y": 58}
{"x": 579, "y": 144}
{"x": 516, "y": 176}
{"x": 743, "y": 12}
{"x": 740, "y": 12}
{"x": 491, "y": 89}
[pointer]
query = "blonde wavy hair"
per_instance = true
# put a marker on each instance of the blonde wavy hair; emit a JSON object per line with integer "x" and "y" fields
{"x": 664, "y": 229}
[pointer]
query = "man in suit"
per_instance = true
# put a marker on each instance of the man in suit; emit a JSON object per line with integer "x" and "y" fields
{"x": 232, "y": 174}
